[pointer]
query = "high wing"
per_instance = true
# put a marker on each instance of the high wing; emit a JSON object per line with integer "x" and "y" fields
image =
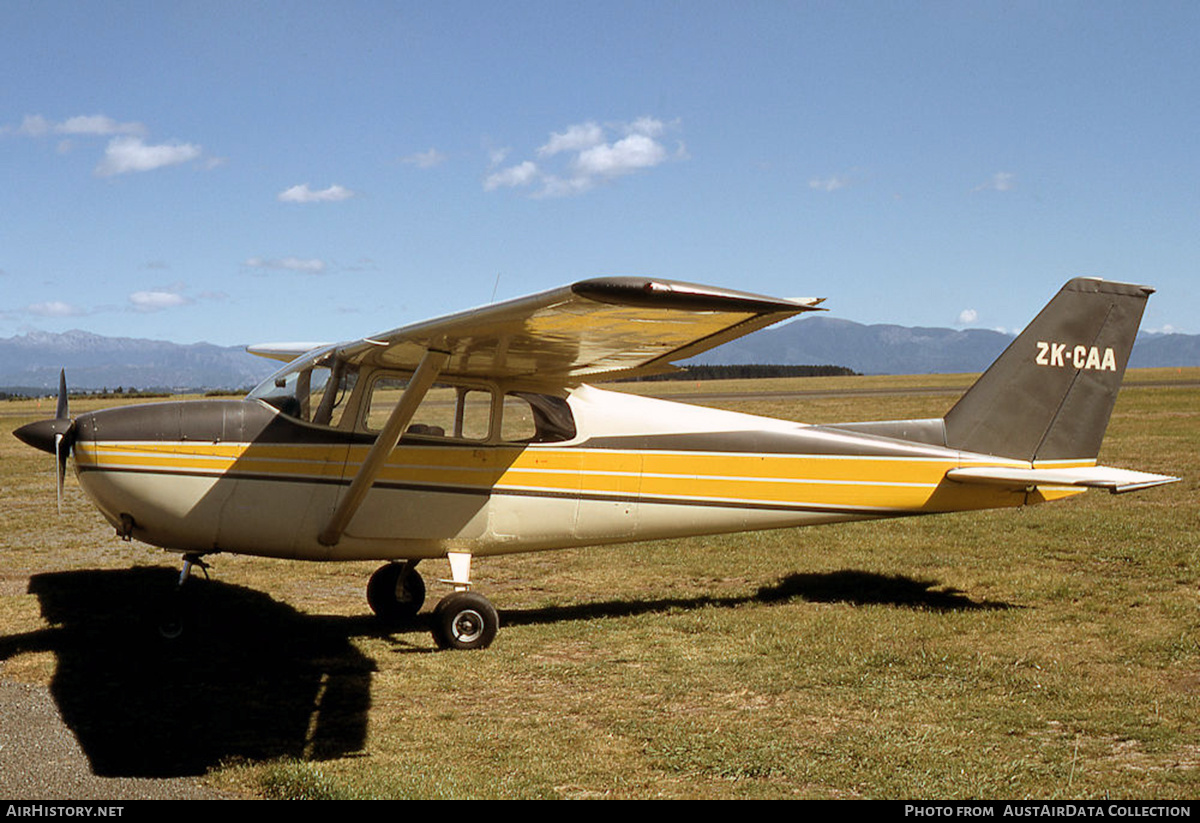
{"x": 609, "y": 327}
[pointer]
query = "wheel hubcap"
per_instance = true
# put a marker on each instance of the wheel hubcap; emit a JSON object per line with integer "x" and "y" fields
{"x": 467, "y": 626}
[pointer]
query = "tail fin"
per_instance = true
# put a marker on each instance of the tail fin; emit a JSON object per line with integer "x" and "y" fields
{"x": 1050, "y": 394}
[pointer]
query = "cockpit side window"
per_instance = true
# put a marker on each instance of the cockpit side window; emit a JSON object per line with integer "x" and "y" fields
{"x": 312, "y": 392}
{"x": 338, "y": 389}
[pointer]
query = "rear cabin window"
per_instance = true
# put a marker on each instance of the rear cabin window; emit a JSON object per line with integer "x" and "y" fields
{"x": 461, "y": 412}
{"x": 536, "y": 418}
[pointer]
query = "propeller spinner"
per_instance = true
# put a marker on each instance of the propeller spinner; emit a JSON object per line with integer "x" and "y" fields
{"x": 55, "y": 436}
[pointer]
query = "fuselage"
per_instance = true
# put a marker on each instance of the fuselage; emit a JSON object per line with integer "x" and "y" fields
{"x": 242, "y": 476}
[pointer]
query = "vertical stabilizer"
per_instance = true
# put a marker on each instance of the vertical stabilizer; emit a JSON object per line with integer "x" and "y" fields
{"x": 1050, "y": 394}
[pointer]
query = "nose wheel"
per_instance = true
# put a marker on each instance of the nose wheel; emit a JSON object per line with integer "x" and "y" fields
{"x": 172, "y": 624}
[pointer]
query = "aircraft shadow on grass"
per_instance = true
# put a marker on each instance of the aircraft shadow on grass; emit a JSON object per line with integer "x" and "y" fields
{"x": 251, "y": 679}
{"x": 847, "y": 586}
{"x": 254, "y": 679}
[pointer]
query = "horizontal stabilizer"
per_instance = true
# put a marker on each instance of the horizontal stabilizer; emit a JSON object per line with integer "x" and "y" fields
{"x": 1116, "y": 481}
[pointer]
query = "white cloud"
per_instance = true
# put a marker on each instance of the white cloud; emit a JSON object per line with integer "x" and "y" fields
{"x": 637, "y": 151}
{"x": 148, "y": 301}
{"x": 303, "y": 194}
{"x": 34, "y": 125}
{"x": 497, "y": 156}
{"x": 55, "y": 308}
{"x": 1000, "y": 181}
{"x": 575, "y": 138}
{"x": 831, "y": 183}
{"x": 583, "y": 155}
{"x": 967, "y": 316}
{"x": 126, "y": 152}
{"x": 649, "y": 126}
{"x": 425, "y": 159}
{"x": 98, "y": 124}
{"x": 563, "y": 187}
{"x": 130, "y": 154}
{"x": 296, "y": 264}
{"x": 520, "y": 175}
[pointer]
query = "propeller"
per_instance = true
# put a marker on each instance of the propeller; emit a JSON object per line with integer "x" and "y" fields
{"x": 56, "y": 435}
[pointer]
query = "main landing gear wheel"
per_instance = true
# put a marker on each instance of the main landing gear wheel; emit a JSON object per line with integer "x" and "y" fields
{"x": 465, "y": 620}
{"x": 396, "y": 592}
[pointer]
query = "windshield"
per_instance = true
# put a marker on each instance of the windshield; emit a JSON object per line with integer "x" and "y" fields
{"x": 309, "y": 391}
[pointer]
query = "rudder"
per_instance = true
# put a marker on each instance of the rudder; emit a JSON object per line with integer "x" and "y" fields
{"x": 1049, "y": 396}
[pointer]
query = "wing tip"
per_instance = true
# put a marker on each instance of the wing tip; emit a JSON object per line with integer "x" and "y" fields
{"x": 676, "y": 294}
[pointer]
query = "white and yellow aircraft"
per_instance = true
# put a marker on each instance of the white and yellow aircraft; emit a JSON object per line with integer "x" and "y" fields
{"x": 476, "y": 434}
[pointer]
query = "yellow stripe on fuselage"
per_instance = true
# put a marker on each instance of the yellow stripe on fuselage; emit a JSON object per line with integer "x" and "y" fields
{"x": 285, "y": 462}
{"x": 867, "y": 482}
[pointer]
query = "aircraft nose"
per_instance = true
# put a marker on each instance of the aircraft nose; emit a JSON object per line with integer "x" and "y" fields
{"x": 41, "y": 434}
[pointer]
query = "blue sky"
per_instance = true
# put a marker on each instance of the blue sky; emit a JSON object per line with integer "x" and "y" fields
{"x": 247, "y": 172}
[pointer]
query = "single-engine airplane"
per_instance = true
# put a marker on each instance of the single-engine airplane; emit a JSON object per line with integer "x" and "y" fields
{"x": 477, "y": 434}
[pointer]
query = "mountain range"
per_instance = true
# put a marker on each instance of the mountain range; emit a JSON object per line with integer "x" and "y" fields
{"x": 889, "y": 349}
{"x": 32, "y": 361}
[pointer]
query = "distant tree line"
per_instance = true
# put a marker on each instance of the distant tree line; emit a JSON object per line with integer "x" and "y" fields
{"x": 747, "y": 372}
{"x": 120, "y": 391}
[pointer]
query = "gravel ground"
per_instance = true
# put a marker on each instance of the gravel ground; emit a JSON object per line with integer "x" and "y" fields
{"x": 41, "y": 760}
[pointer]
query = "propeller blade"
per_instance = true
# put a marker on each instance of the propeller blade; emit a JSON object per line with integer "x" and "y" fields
{"x": 61, "y": 412}
{"x": 60, "y": 466}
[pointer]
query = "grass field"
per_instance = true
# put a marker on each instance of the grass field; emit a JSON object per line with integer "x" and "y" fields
{"x": 1049, "y": 652}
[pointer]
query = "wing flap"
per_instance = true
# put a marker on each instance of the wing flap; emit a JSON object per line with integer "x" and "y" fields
{"x": 1117, "y": 481}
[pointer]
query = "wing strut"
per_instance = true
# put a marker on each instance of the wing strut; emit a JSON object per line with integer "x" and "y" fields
{"x": 431, "y": 365}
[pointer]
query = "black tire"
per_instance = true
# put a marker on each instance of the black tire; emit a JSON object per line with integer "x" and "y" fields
{"x": 396, "y": 592}
{"x": 465, "y": 620}
{"x": 171, "y": 628}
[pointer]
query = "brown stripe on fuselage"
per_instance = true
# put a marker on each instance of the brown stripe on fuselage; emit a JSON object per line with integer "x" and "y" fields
{"x": 252, "y": 421}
